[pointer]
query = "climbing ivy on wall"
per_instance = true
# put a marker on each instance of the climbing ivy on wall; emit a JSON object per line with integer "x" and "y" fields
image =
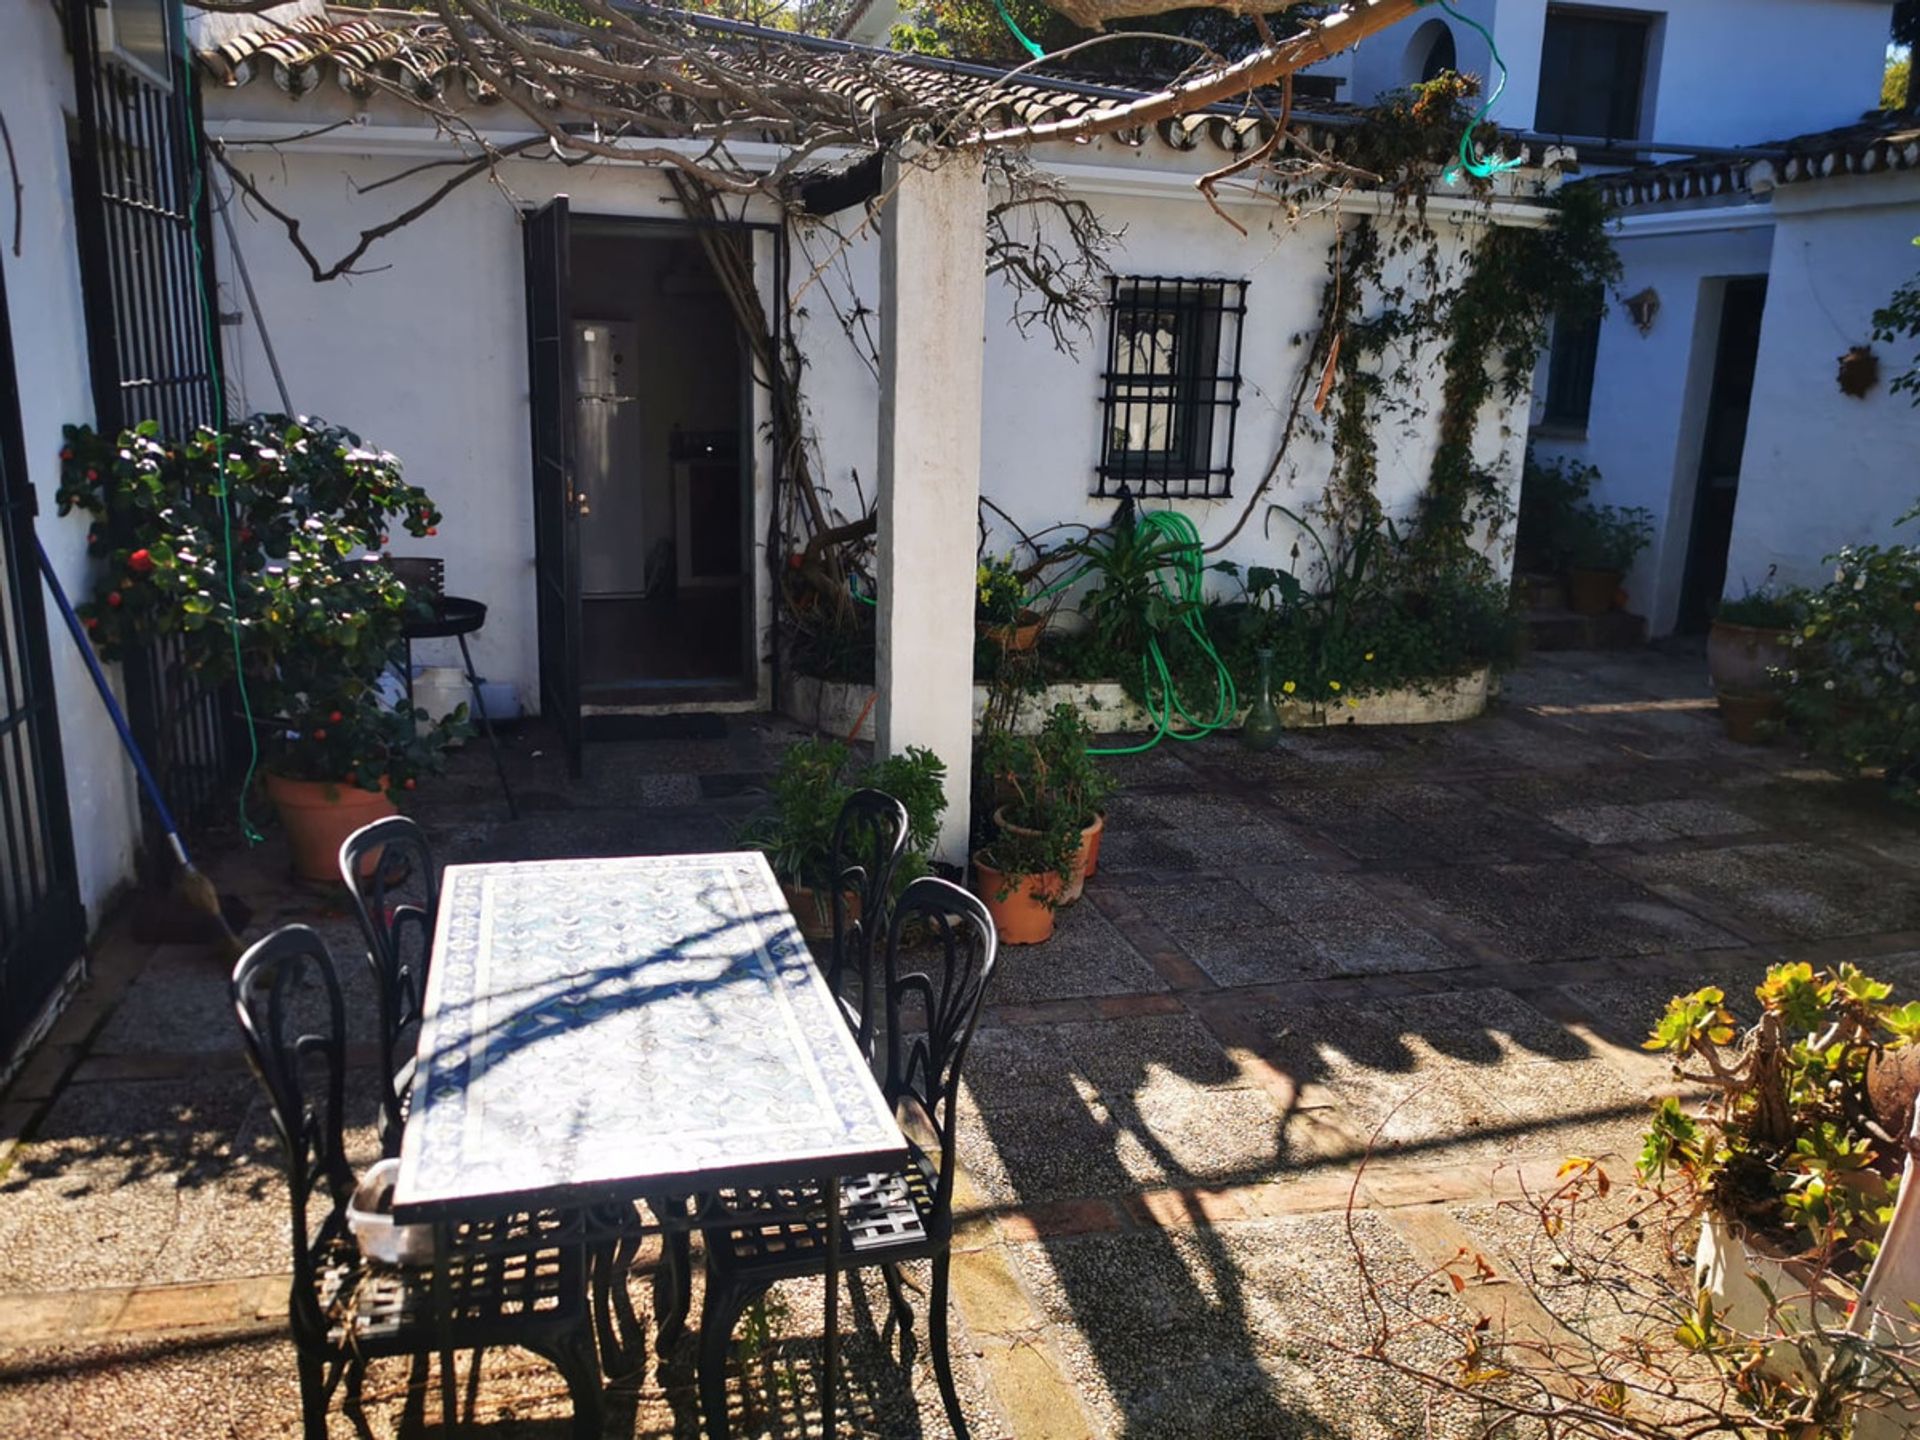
{"x": 1486, "y": 318}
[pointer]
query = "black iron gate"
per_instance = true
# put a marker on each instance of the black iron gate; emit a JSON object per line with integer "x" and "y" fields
{"x": 146, "y": 272}
{"x": 42, "y": 926}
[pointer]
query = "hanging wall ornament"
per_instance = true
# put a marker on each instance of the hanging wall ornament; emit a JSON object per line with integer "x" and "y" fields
{"x": 1859, "y": 371}
{"x": 1643, "y": 308}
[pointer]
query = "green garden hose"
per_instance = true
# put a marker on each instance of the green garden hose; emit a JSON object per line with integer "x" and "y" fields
{"x": 1185, "y": 587}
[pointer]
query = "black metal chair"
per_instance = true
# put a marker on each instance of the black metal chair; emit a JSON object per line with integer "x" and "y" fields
{"x": 515, "y": 1280}
{"x": 933, "y": 997}
{"x": 869, "y": 839}
{"x": 389, "y": 871}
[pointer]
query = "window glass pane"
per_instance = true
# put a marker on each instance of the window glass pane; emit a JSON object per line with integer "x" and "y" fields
{"x": 1147, "y": 345}
{"x": 1570, "y": 367}
{"x": 1592, "y": 68}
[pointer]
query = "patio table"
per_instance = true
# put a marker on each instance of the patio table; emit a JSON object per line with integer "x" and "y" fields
{"x": 596, "y": 1032}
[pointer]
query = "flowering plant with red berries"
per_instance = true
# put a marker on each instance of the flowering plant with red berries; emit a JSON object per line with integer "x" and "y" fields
{"x": 284, "y": 583}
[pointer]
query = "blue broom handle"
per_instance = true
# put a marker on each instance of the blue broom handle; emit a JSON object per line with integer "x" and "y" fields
{"x": 106, "y": 695}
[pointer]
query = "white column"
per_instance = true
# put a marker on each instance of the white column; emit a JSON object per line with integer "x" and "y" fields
{"x": 932, "y": 344}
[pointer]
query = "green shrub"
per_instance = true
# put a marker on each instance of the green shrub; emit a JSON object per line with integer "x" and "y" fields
{"x": 1853, "y": 689}
{"x": 813, "y": 784}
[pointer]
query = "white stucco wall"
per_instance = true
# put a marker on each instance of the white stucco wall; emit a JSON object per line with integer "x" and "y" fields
{"x": 1650, "y": 393}
{"x": 50, "y": 356}
{"x": 426, "y": 356}
{"x": 1722, "y": 72}
{"x": 1822, "y": 469}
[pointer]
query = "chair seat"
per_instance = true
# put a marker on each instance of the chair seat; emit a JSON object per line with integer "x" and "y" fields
{"x": 504, "y": 1275}
{"x": 884, "y": 1216}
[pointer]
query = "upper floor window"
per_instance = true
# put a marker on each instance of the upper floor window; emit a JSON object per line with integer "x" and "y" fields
{"x": 1593, "y": 70}
{"x": 1171, "y": 391}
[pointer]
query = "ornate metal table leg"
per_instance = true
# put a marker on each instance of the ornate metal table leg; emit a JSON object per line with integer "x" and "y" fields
{"x": 830, "y": 1381}
{"x": 443, "y": 1321}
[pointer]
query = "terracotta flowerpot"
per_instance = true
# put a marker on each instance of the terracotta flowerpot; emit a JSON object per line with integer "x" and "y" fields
{"x": 1592, "y": 592}
{"x": 1743, "y": 712}
{"x": 318, "y": 816}
{"x": 1081, "y": 866}
{"x": 1090, "y": 843}
{"x": 1739, "y": 656}
{"x": 1021, "y": 905}
{"x": 1023, "y": 634}
{"x": 814, "y": 909}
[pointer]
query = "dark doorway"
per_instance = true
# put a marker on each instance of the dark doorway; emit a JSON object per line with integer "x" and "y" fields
{"x": 1735, "y": 352}
{"x": 643, "y": 474}
{"x": 660, "y": 413}
{"x": 42, "y": 926}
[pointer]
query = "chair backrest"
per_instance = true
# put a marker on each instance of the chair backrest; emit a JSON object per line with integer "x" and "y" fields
{"x": 941, "y": 951}
{"x": 389, "y": 871}
{"x": 868, "y": 840}
{"x": 286, "y": 997}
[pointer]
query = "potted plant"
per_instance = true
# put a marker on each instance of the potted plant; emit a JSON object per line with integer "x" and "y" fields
{"x": 1022, "y": 872}
{"x": 1000, "y": 606}
{"x": 1795, "y": 1163}
{"x": 255, "y": 552}
{"x": 809, "y": 789}
{"x": 1852, "y": 689}
{"x": 1602, "y": 542}
{"x": 1053, "y": 778}
{"x": 1751, "y": 637}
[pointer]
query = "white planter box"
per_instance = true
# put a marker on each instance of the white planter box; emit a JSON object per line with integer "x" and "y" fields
{"x": 836, "y": 708}
{"x": 1738, "y": 1279}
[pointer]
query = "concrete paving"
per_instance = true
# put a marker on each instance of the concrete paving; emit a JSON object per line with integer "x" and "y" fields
{"x": 1355, "y": 991}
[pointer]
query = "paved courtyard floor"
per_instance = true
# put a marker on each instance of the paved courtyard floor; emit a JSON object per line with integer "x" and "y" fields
{"x": 1434, "y": 951}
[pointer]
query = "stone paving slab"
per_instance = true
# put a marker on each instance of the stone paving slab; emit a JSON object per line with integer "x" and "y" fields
{"x": 1444, "y": 942}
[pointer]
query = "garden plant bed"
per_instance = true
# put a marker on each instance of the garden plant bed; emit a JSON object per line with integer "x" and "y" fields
{"x": 836, "y": 707}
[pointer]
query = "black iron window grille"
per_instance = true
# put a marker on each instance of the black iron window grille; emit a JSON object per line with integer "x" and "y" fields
{"x": 1171, "y": 389}
{"x": 146, "y": 248}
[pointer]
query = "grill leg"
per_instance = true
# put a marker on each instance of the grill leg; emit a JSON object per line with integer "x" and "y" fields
{"x": 486, "y": 727}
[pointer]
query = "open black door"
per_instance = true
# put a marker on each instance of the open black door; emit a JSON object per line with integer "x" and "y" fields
{"x": 1736, "y": 353}
{"x": 556, "y": 504}
{"x": 42, "y": 927}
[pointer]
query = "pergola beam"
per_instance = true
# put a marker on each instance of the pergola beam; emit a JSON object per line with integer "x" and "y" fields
{"x": 1321, "y": 40}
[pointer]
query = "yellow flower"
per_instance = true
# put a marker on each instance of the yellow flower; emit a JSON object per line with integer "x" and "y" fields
{"x": 1352, "y": 704}
{"x": 1369, "y": 655}
{"x": 1287, "y": 689}
{"x": 1333, "y": 684}
{"x": 1812, "y": 630}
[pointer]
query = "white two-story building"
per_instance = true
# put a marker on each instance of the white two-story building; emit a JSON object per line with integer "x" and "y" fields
{"x": 1766, "y": 209}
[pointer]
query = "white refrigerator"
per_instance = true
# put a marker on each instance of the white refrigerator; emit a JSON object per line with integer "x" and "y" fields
{"x": 607, "y": 459}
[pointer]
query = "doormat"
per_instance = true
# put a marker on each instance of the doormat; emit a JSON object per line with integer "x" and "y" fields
{"x": 654, "y": 727}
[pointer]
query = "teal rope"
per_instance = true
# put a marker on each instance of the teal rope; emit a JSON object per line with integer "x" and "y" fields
{"x": 1471, "y": 160}
{"x": 1032, "y": 49}
{"x": 197, "y": 161}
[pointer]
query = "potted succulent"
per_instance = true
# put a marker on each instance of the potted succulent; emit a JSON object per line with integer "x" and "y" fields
{"x": 1602, "y": 542}
{"x": 1795, "y": 1164}
{"x": 1051, "y": 779}
{"x": 809, "y": 789}
{"x": 1000, "y": 606}
{"x": 255, "y": 551}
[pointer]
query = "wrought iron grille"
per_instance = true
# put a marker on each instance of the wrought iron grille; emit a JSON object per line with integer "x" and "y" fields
{"x": 41, "y": 923}
{"x": 145, "y": 254}
{"x": 1171, "y": 388}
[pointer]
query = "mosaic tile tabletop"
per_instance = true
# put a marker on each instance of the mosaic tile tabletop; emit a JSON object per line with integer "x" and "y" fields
{"x": 626, "y": 1027}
